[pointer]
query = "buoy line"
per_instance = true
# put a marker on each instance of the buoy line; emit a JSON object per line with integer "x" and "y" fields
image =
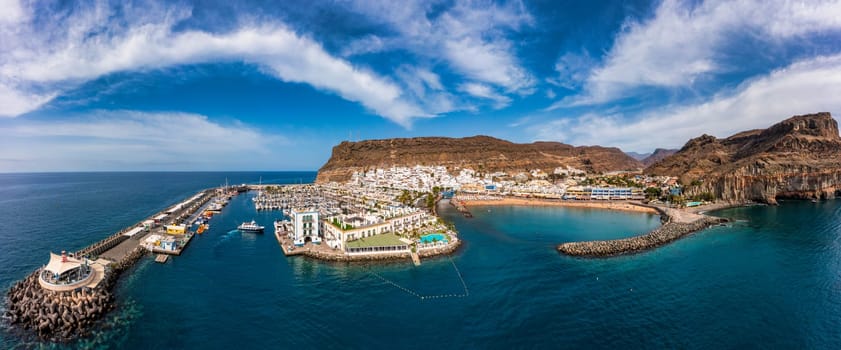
{"x": 425, "y": 297}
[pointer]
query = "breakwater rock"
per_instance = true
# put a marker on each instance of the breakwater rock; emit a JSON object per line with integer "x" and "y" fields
{"x": 63, "y": 316}
{"x": 55, "y": 316}
{"x": 447, "y": 249}
{"x": 660, "y": 236}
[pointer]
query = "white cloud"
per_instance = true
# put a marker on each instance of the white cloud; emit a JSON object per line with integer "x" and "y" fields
{"x": 131, "y": 140}
{"x": 469, "y": 35}
{"x": 425, "y": 87}
{"x": 804, "y": 87}
{"x": 364, "y": 45}
{"x": 486, "y": 92}
{"x": 684, "y": 40}
{"x": 520, "y": 121}
{"x": 572, "y": 70}
{"x": 15, "y": 102}
{"x": 88, "y": 51}
{"x": 13, "y": 11}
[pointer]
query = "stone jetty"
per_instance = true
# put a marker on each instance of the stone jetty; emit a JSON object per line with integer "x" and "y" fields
{"x": 58, "y": 315}
{"x": 677, "y": 224}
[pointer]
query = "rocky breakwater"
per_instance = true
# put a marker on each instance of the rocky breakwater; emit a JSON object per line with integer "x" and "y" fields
{"x": 55, "y": 316}
{"x": 677, "y": 224}
{"x": 62, "y": 316}
{"x": 443, "y": 250}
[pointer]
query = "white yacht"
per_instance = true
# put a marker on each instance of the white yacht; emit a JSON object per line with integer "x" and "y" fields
{"x": 251, "y": 227}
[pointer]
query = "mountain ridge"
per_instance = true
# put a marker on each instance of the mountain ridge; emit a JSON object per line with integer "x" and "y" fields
{"x": 480, "y": 152}
{"x": 799, "y": 157}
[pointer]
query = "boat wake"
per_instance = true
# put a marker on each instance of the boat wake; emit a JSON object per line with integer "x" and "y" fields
{"x": 227, "y": 237}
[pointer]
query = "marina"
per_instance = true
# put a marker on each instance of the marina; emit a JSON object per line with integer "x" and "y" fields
{"x": 334, "y": 223}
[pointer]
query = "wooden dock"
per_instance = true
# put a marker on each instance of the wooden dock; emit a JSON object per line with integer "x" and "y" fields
{"x": 161, "y": 258}
{"x": 415, "y": 259}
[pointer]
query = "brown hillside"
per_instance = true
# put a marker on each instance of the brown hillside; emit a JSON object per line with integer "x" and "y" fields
{"x": 799, "y": 157}
{"x": 477, "y": 152}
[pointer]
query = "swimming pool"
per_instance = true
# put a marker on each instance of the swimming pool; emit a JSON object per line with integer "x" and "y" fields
{"x": 433, "y": 237}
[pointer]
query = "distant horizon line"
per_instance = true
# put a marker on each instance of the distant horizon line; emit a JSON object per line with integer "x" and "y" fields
{"x": 155, "y": 171}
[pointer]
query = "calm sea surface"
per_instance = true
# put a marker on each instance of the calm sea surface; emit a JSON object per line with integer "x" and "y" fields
{"x": 772, "y": 279}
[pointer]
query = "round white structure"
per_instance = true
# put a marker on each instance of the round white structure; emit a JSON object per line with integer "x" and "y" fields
{"x": 65, "y": 273}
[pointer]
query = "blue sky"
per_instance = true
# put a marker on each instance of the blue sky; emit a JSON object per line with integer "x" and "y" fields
{"x": 268, "y": 85}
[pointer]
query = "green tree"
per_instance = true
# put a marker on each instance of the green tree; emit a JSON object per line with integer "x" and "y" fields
{"x": 677, "y": 200}
{"x": 405, "y": 197}
{"x": 653, "y": 192}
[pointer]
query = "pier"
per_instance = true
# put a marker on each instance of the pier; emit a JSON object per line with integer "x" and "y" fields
{"x": 66, "y": 298}
{"x": 461, "y": 207}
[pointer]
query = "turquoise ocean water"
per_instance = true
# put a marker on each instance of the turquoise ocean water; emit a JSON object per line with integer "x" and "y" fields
{"x": 772, "y": 279}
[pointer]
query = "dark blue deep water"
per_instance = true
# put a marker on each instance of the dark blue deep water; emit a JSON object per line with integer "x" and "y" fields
{"x": 772, "y": 279}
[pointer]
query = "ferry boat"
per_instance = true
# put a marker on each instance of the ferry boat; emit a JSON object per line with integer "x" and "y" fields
{"x": 251, "y": 227}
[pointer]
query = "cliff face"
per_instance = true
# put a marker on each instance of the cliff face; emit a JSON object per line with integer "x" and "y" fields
{"x": 478, "y": 153}
{"x": 799, "y": 157}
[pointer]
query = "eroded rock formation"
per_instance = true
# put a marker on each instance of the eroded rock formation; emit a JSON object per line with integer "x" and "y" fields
{"x": 799, "y": 157}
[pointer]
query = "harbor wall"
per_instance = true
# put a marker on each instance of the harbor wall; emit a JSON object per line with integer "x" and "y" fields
{"x": 67, "y": 315}
{"x": 327, "y": 256}
{"x": 662, "y": 235}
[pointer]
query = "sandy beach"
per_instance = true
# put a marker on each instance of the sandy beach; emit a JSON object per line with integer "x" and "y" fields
{"x": 610, "y": 205}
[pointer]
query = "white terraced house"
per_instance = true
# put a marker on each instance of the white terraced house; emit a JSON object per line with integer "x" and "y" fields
{"x": 340, "y": 229}
{"x": 305, "y": 225}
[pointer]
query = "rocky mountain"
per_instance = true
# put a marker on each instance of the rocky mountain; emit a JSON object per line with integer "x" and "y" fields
{"x": 799, "y": 157}
{"x": 658, "y": 155}
{"x": 482, "y": 153}
{"x": 638, "y": 156}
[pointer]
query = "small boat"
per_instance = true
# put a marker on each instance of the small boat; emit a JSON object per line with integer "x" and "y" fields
{"x": 814, "y": 200}
{"x": 251, "y": 227}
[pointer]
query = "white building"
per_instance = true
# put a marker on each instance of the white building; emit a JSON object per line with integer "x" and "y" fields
{"x": 341, "y": 229}
{"x": 305, "y": 226}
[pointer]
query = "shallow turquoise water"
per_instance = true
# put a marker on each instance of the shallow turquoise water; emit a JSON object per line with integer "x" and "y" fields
{"x": 771, "y": 281}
